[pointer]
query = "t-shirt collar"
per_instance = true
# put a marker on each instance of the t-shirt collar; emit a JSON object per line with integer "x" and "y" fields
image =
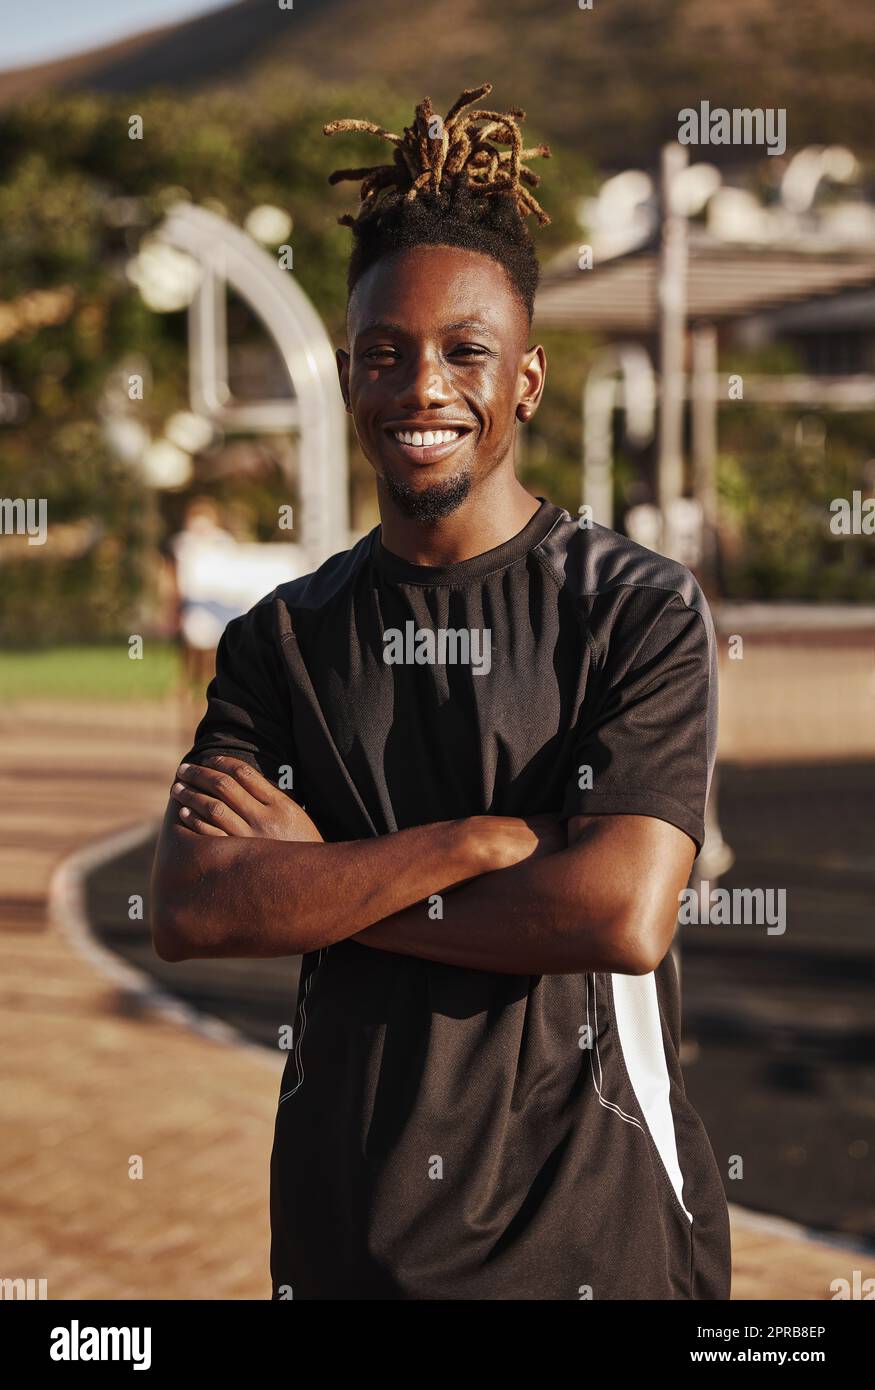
{"x": 462, "y": 571}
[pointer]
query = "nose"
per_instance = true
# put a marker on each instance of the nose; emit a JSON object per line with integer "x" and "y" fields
{"x": 425, "y": 384}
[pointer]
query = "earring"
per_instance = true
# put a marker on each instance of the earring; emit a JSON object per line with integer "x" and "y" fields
{"x": 524, "y": 412}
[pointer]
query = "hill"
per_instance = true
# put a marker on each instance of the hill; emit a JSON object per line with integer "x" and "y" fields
{"x": 610, "y": 80}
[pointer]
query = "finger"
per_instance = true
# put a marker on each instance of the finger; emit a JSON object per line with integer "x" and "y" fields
{"x": 210, "y": 809}
{"x": 249, "y": 777}
{"x": 193, "y": 822}
{"x": 219, "y": 786}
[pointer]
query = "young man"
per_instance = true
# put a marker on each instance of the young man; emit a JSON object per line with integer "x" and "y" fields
{"x": 502, "y": 727}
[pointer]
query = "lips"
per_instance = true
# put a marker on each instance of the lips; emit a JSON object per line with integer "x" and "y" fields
{"x": 426, "y": 443}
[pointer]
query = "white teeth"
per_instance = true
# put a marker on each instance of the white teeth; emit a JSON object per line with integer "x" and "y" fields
{"x": 422, "y": 440}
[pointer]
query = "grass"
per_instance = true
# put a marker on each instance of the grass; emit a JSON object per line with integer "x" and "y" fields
{"x": 90, "y": 672}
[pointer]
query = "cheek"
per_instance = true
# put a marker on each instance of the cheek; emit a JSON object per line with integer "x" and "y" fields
{"x": 496, "y": 402}
{"x": 365, "y": 394}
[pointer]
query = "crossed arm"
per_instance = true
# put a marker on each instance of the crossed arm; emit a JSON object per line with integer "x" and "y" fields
{"x": 241, "y": 870}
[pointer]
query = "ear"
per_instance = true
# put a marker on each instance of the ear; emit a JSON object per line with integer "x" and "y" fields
{"x": 342, "y": 359}
{"x": 533, "y": 373}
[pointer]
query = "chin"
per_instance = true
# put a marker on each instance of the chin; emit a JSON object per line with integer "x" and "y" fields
{"x": 428, "y": 501}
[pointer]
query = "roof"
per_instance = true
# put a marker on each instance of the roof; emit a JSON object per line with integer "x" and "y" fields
{"x": 725, "y": 280}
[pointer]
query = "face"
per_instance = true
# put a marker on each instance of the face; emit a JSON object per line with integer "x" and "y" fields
{"x": 436, "y": 373}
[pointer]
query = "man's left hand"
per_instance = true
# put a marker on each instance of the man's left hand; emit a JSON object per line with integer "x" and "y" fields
{"x": 225, "y": 796}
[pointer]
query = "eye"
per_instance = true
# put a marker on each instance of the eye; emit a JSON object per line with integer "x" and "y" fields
{"x": 383, "y": 353}
{"x": 470, "y": 350}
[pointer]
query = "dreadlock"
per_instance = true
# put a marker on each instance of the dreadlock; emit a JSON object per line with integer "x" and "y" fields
{"x": 448, "y": 185}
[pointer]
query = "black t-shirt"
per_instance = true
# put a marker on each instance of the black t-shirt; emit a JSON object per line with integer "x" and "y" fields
{"x": 446, "y": 1133}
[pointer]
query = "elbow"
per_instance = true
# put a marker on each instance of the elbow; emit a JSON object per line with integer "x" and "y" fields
{"x": 181, "y": 930}
{"x": 173, "y": 928}
{"x": 170, "y": 940}
{"x": 643, "y": 959}
{"x": 168, "y": 944}
{"x": 638, "y": 947}
{"x": 185, "y": 918}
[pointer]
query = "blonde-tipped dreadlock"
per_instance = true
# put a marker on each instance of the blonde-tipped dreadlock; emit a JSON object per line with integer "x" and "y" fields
{"x": 461, "y": 149}
{"x": 448, "y": 184}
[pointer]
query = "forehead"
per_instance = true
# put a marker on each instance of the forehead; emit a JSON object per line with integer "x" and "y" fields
{"x": 427, "y": 287}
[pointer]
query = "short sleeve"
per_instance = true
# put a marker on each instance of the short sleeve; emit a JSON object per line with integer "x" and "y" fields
{"x": 647, "y": 738}
{"x": 248, "y": 702}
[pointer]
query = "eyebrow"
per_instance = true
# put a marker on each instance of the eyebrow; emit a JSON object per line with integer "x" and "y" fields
{"x": 469, "y": 323}
{"x": 388, "y": 326}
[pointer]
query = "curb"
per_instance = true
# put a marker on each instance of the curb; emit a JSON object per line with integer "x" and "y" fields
{"x": 66, "y": 907}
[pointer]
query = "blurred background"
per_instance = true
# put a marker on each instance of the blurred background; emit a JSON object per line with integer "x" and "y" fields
{"x": 173, "y": 444}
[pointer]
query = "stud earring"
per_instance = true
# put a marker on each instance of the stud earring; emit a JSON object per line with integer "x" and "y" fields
{"x": 524, "y": 412}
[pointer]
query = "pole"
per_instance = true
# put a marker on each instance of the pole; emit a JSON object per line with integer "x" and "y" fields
{"x": 704, "y": 402}
{"x": 672, "y": 309}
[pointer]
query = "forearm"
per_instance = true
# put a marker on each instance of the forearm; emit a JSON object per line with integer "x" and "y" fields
{"x": 242, "y": 870}
{"x": 513, "y": 921}
{"x": 578, "y": 910}
{"x": 261, "y": 897}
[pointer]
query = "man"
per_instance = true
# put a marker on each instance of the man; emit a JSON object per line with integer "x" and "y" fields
{"x": 499, "y": 731}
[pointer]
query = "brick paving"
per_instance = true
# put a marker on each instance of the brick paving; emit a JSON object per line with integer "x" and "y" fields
{"x": 87, "y": 1082}
{"x": 85, "y": 1085}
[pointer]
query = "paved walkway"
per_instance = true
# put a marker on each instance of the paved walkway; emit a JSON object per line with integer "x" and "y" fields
{"x": 89, "y": 1082}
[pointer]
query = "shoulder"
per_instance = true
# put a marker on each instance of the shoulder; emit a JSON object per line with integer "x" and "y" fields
{"x": 593, "y": 560}
{"x": 271, "y": 619}
{"x": 324, "y": 584}
{"x": 634, "y": 605}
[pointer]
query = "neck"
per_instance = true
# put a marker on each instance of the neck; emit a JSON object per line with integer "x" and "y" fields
{"x": 491, "y": 514}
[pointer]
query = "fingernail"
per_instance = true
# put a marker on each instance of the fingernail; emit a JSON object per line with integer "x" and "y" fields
{"x": 177, "y": 787}
{"x": 184, "y": 811}
{"x": 183, "y": 767}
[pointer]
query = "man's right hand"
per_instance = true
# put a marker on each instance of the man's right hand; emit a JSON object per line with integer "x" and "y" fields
{"x": 508, "y": 840}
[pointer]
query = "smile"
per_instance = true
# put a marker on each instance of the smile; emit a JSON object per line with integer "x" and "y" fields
{"x": 422, "y": 446}
{"x": 424, "y": 439}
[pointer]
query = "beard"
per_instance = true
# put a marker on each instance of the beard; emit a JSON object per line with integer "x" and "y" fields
{"x": 430, "y": 503}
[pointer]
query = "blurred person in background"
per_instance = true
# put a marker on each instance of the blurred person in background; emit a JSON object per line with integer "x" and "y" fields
{"x": 200, "y": 555}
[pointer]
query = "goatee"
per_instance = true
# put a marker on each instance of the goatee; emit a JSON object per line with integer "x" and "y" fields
{"x": 430, "y": 503}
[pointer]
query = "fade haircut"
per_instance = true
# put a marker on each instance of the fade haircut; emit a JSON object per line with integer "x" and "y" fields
{"x": 448, "y": 185}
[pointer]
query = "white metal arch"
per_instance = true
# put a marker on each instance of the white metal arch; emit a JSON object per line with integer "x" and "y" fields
{"x": 229, "y": 256}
